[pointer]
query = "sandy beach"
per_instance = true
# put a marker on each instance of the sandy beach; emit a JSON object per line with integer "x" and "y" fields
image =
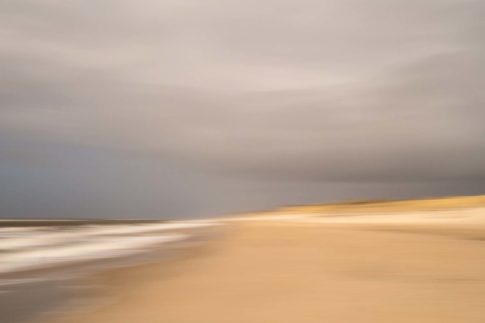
{"x": 304, "y": 268}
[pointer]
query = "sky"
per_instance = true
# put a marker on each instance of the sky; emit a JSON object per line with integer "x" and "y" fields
{"x": 192, "y": 108}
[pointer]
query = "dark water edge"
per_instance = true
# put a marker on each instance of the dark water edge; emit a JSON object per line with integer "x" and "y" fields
{"x": 6, "y": 223}
{"x": 24, "y": 301}
{"x": 29, "y": 295}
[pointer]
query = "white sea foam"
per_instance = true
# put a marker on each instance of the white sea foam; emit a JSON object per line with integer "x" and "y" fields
{"x": 34, "y": 238}
{"x": 38, "y": 247}
{"x": 100, "y": 248}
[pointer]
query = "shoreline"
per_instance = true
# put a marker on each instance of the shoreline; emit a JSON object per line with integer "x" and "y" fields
{"x": 296, "y": 271}
{"x": 27, "y": 296}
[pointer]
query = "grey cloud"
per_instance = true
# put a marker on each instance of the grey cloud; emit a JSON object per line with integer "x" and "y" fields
{"x": 243, "y": 104}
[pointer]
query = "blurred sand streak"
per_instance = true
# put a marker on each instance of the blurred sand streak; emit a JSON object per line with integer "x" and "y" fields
{"x": 419, "y": 266}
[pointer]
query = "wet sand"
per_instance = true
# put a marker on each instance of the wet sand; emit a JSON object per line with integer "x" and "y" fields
{"x": 307, "y": 270}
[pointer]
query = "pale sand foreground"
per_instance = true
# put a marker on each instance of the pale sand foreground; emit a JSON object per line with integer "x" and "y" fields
{"x": 301, "y": 271}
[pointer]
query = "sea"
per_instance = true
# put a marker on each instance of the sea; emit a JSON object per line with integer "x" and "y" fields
{"x": 43, "y": 262}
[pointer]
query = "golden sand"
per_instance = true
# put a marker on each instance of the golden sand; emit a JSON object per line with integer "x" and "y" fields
{"x": 290, "y": 271}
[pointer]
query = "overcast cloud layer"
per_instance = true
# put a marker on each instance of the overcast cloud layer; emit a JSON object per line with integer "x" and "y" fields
{"x": 156, "y": 108}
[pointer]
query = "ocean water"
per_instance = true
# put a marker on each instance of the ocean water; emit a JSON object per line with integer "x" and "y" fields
{"x": 41, "y": 261}
{"x": 33, "y": 247}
